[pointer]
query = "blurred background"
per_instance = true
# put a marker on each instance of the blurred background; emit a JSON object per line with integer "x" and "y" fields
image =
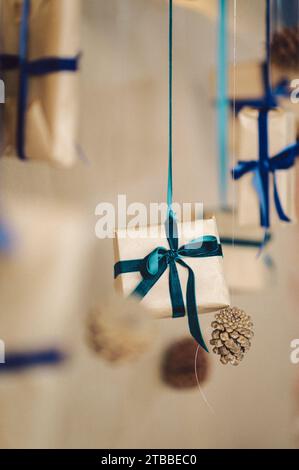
{"x": 58, "y": 269}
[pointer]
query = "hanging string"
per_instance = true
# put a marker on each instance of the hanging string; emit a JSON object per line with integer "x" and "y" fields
{"x": 222, "y": 103}
{"x": 268, "y": 86}
{"x": 234, "y": 196}
{"x": 22, "y": 98}
{"x": 170, "y": 100}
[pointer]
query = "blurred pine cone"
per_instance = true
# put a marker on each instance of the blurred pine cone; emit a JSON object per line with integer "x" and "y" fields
{"x": 178, "y": 365}
{"x": 285, "y": 48}
{"x": 120, "y": 330}
{"x": 231, "y": 335}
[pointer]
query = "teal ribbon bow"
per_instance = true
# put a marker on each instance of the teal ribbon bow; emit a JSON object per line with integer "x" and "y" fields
{"x": 154, "y": 265}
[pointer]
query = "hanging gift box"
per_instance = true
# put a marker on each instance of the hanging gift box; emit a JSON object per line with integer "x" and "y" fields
{"x": 266, "y": 167}
{"x": 247, "y": 87}
{"x": 39, "y": 63}
{"x": 32, "y": 407}
{"x": 192, "y": 258}
{"x": 243, "y": 271}
{"x": 40, "y": 282}
{"x": 201, "y": 6}
{"x": 195, "y": 266}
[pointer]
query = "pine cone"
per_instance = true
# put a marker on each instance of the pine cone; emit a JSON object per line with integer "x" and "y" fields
{"x": 120, "y": 330}
{"x": 285, "y": 48}
{"x": 231, "y": 335}
{"x": 178, "y": 364}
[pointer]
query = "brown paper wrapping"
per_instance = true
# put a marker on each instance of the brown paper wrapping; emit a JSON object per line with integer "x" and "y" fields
{"x": 246, "y": 81}
{"x": 211, "y": 290}
{"x": 282, "y": 133}
{"x": 202, "y": 6}
{"x": 40, "y": 282}
{"x": 244, "y": 271}
{"x": 52, "y": 106}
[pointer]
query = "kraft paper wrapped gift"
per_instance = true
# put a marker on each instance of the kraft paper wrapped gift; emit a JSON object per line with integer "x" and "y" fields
{"x": 211, "y": 289}
{"x": 32, "y": 407}
{"x": 281, "y": 132}
{"x": 201, "y": 6}
{"x": 244, "y": 271}
{"x": 40, "y": 282}
{"x": 246, "y": 82}
{"x": 52, "y": 101}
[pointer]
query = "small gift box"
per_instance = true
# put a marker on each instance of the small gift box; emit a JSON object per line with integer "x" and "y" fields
{"x": 244, "y": 271}
{"x": 194, "y": 265}
{"x": 266, "y": 190}
{"x": 40, "y": 280}
{"x": 39, "y": 62}
{"x": 247, "y": 86}
{"x": 202, "y": 6}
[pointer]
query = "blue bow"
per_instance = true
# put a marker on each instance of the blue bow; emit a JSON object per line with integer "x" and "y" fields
{"x": 153, "y": 266}
{"x": 263, "y": 167}
{"x": 27, "y": 68}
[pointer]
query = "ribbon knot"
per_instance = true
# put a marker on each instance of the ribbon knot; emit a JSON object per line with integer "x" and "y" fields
{"x": 265, "y": 166}
{"x": 172, "y": 255}
{"x": 154, "y": 265}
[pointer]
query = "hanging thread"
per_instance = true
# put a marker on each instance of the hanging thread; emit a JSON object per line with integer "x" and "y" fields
{"x": 222, "y": 103}
{"x": 170, "y": 101}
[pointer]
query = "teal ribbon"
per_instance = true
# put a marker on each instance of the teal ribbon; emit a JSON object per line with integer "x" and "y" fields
{"x": 154, "y": 265}
{"x": 222, "y": 102}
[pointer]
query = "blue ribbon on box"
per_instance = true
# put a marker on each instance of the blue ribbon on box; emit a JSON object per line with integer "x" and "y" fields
{"x": 262, "y": 169}
{"x": 271, "y": 100}
{"x": 21, "y": 361}
{"x": 264, "y": 166}
{"x": 43, "y": 66}
{"x": 244, "y": 242}
{"x": 154, "y": 265}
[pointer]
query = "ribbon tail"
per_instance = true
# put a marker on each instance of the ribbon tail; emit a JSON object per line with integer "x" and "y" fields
{"x": 263, "y": 243}
{"x": 123, "y": 267}
{"x": 192, "y": 312}
{"x": 282, "y": 215}
{"x": 176, "y": 295}
{"x": 264, "y": 209}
